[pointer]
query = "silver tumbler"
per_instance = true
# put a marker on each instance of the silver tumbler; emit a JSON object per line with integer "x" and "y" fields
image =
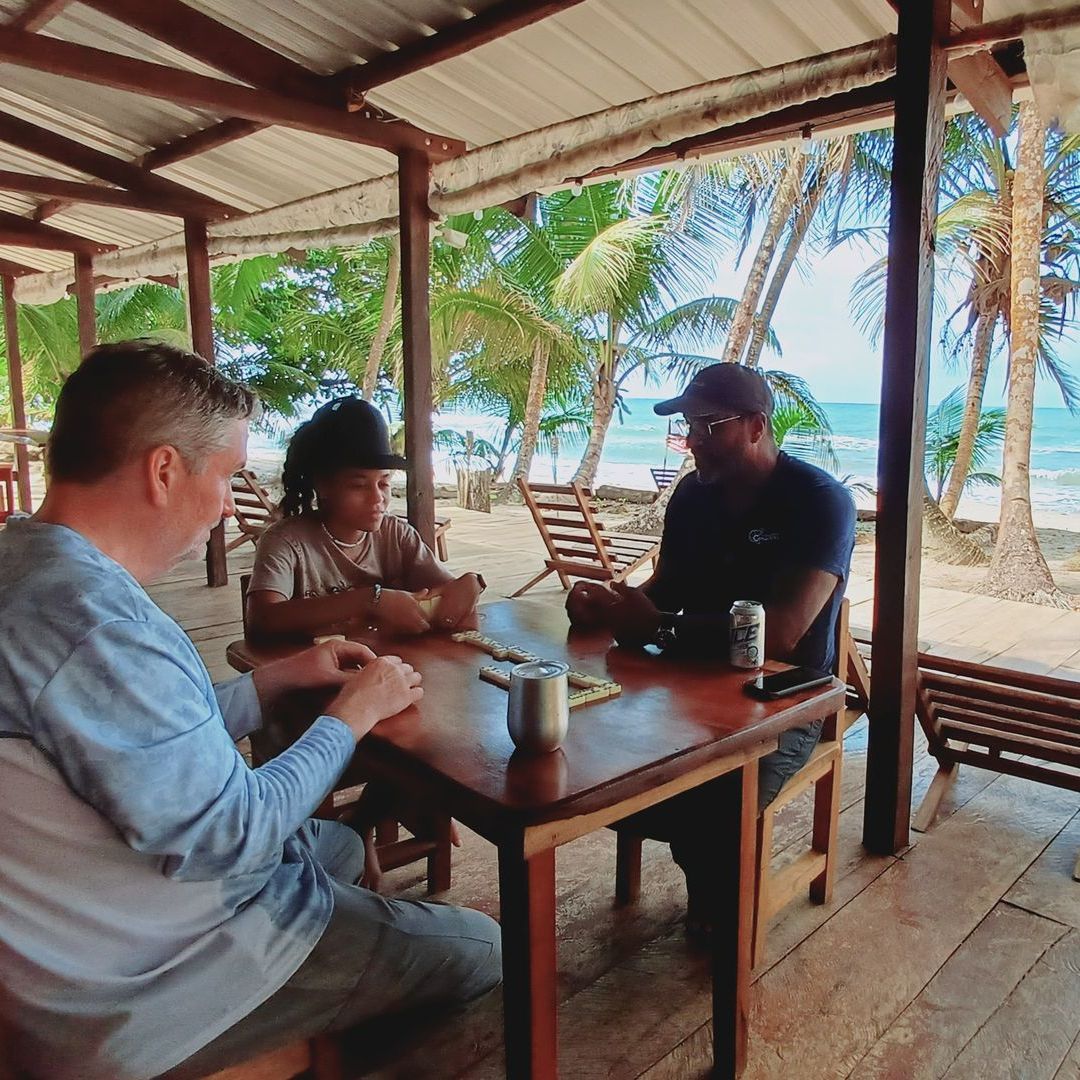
{"x": 538, "y": 712}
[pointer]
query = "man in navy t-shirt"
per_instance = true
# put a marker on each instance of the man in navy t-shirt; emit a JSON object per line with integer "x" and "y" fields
{"x": 751, "y": 523}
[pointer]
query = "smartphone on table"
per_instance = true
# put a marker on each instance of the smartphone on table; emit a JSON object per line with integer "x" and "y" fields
{"x": 781, "y": 683}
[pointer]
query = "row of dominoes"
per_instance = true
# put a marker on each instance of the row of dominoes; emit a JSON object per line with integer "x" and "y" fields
{"x": 596, "y": 689}
{"x": 496, "y": 649}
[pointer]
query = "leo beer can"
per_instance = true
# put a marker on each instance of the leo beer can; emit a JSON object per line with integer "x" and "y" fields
{"x": 747, "y": 634}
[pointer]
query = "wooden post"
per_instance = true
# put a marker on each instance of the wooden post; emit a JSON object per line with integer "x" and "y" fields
{"x": 202, "y": 340}
{"x": 84, "y": 293}
{"x": 414, "y": 173}
{"x": 917, "y": 148}
{"x": 15, "y": 387}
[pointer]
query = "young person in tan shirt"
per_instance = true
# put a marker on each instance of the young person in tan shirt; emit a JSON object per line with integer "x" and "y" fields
{"x": 339, "y": 562}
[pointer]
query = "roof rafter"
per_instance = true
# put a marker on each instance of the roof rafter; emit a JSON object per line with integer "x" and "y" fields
{"x": 15, "y": 269}
{"x": 75, "y": 191}
{"x": 103, "y": 68}
{"x": 492, "y": 24}
{"x": 37, "y": 13}
{"x": 24, "y": 233}
{"x": 76, "y": 155}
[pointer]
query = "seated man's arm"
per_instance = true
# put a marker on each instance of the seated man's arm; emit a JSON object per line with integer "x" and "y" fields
{"x": 240, "y": 707}
{"x": 800, "y": 595}
{"x": 132, "y": 723}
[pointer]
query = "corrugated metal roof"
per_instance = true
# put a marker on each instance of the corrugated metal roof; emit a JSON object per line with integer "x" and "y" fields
{"x": 594, "y": 55}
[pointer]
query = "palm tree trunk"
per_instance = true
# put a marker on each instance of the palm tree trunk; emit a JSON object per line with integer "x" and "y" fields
{"x": 944, "y": 539}
{"x": 763, "y": 319}
{"x": 779, "y": 214}
{"x": 603, "y": 411}
{"x": 980, "y": 364}
{"x": 386, "y": 319}
{"x": 1018, "y": 569}
{"x": 534, "y": 408}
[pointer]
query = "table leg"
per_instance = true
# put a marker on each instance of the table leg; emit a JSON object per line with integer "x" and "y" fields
{"x": 733, "y": 930}
{"x": 527, "y": 905}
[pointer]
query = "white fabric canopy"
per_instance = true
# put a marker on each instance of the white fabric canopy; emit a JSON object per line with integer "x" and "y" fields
{"x": 1053, "y": 64}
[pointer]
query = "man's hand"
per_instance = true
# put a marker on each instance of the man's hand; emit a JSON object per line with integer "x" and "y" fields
{"x": 384, "y": 687}
{"x": 398, "y": 611}
{"x": 457, "y": 602}
{"x": 589, "y": 605}
{"x": 634, "y": 618}
{"x": 327, "y": 665}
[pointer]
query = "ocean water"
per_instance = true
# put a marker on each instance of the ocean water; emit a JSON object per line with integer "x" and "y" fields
{"x": 638, "y": 442}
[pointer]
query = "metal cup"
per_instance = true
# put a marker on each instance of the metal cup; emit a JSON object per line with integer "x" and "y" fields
{"x": 538, "y": 712}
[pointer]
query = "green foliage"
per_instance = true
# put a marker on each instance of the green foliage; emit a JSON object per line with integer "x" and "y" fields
{"x": 943, "y": 440}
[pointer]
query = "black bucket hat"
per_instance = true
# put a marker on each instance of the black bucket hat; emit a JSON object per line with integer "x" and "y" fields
{"x": 354, "y": 435}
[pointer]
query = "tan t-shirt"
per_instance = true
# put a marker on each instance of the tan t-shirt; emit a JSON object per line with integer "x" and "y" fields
{"x": 297, "y": 559}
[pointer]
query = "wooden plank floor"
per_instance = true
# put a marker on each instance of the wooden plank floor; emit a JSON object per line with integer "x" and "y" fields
{"x": 959, "y": 958}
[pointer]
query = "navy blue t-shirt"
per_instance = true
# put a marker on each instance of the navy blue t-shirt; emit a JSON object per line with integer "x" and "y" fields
{"x": 709, "y": 558}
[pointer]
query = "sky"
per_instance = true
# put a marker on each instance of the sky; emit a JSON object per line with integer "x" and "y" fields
{"x": 821, "y": 343}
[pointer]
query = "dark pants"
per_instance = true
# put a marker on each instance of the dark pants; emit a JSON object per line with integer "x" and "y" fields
{"x": 698, "y": 822}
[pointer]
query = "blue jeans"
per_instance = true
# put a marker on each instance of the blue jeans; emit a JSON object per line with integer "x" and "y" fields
{"x": 377, "y": 956}
{"x": 697, "y": 823}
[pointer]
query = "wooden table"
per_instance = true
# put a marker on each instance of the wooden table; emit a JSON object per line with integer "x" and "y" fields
{"x": 677, "y": 724}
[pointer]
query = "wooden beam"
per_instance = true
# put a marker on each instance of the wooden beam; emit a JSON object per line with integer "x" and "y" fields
{"x": 84, "y": 299}
{"x": 76, "y": 155}
{"x": 201, "y": 315}
{"x": 1013, "y": 28}
{"x": 22, "y": 232}
{"x": 200, "y": 36}
{"x": 16, "y": 269}
{"x": 15, "y": 389}
{"x": 917, "y": 150}
{"x": 101, "y": 68}
{"x": 37, "y": 13}
{"x": 462, "y": 37}
{"x": 198, "y": 142}
{"x": 979, "y": 77}
{"x": 71, "y": 191}
{"x": 414, "y": 178}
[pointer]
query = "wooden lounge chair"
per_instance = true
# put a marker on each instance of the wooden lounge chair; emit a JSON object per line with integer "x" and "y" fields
{"x": 578, "y": 545}
{"x": 815, "y": 869}
{"x": 255, "y": 510}
{"x": 1007, "y": 721}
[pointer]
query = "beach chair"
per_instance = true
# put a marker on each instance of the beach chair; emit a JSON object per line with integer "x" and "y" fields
{"x": 663, "y": 478}
{"x": 578, "y": 545}
{"x": 994, "y": 718}
{"x": 254, "y": 509}
{"x": 815, "y": 869}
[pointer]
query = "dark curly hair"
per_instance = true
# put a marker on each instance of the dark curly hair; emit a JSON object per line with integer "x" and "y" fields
{"x": 346, "y": 433}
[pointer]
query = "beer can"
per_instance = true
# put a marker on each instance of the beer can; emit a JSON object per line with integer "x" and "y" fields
{"x": 747, "y": 634}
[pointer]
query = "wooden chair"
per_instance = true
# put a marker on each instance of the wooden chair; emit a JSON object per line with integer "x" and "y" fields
{"x": 442, "y": 527}
{"x": 1007, "y": 721}
{"x": 815, "y": 869}
{"x": 254, "y": 508}
{"x": 393, "y": 851}
{"x": 578, "y": 545}
{"x": 7, "y": 491}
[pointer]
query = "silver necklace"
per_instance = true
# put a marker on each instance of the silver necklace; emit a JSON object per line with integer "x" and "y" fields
{"x": 340, "y": 543}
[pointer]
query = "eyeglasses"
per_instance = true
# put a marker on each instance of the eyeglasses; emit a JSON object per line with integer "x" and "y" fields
{"x": 699, "y": 426}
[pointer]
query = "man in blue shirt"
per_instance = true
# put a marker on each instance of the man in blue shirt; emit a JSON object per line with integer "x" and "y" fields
{"x": 164, "y": 908}
{"x": 751, "y": 523}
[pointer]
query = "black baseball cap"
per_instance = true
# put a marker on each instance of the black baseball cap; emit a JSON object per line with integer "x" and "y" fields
{"x": 721, "y": 388}
{"x": 353, "y": 434}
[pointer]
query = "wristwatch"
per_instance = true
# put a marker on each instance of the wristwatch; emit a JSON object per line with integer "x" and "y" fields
{"x": 665, "y": 633}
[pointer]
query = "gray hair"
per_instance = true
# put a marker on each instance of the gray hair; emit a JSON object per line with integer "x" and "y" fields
{"x": 131, "y": 396}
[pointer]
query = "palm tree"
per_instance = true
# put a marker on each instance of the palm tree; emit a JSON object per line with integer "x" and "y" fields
{"x": 627, "y": 261}
{"x": 944, "y": 427}
{"x": 1018, "y": 569}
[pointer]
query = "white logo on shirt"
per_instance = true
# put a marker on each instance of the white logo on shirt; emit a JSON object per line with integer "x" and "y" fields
{"x": 762, "y": 536}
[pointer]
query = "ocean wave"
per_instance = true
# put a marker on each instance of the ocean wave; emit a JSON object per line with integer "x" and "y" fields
{"x": 853, "y": 442}
{"x": 1065, "y": 477}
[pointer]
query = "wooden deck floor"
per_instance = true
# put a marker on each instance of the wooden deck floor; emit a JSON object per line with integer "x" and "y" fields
{"x": 959, "y": 958}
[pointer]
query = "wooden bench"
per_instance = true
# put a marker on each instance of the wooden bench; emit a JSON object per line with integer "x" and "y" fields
{"x": 994, "y": 718}
{"x": 578, "y": 545}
